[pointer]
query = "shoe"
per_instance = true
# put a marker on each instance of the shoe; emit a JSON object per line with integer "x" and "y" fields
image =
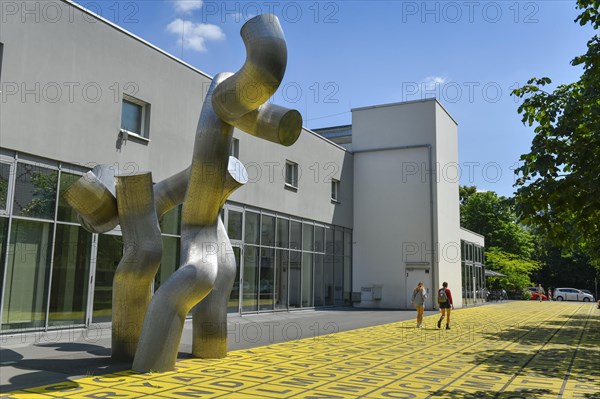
{"x": 419, "y": 326}
{"x": 447, "y": 327}
{"x": 440, "y": 323}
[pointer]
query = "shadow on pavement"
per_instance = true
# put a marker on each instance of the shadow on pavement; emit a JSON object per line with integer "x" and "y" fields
{"x": 460, "y": 394}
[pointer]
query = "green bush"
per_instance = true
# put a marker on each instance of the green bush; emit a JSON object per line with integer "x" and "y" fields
{"x": 526, "y": 294}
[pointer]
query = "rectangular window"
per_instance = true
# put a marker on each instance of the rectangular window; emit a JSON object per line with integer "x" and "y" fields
{"x": 291, "y": 174}
{"x": 335, "y": 189}
{"x": 234, "y": 151}
{"x": 135, "y": 116}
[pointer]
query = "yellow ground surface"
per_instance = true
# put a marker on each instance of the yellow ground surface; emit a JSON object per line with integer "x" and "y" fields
{"x": 512, "y": 350}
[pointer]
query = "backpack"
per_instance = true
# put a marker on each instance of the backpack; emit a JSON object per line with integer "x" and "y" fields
{"x": 442, "y": 296}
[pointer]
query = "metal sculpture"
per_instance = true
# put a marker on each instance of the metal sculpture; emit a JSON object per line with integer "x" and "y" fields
{"x": 204, "y": 281}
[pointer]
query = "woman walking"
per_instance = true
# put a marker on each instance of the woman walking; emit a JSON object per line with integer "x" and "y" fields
{"x": 418, "y": 301}
{"x": 445, "y": 302}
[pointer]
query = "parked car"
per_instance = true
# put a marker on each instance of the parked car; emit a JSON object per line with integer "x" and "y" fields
{"x": 535, "y": 294}
{"x": 572, "y": 294}
{"x": 588, "y": 292}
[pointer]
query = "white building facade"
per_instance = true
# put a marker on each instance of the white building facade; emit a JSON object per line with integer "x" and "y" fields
{"x": 318, "y": 224}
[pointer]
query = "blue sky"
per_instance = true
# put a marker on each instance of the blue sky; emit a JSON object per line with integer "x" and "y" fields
{"x": 348, "y": 54}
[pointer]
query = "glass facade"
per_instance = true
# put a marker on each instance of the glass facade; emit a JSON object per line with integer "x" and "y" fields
{"x": 473, "y": 273}
{"x": 287, "y": 263}
{"x": 56, "y": 274}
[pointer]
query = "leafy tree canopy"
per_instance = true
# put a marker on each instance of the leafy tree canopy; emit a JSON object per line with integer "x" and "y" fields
{"x": 558, "y": 189}
{"x": 516, "y": 269}
{"x": 493, "y": 217}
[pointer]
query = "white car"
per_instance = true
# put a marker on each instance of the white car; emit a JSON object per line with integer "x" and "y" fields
{"x": 571, "y": 294}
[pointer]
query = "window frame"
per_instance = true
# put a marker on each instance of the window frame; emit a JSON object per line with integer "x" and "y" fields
{"x": 293, "y": 184}
{"x": 10, "y": 184}
{"x": 144, "y": 133}
{"x": 335, "y": 191}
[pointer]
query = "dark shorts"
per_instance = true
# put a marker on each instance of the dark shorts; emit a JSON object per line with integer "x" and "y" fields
{"x": 445, "y": 305}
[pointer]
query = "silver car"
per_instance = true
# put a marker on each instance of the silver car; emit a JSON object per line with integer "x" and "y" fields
{"x": 571, "y": 294}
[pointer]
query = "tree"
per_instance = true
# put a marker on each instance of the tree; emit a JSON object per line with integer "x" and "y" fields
{"x": 558, "y": 189}
{"x": 465, "y": 192}
{"x": 516, "y": 269}
{"x": 493, "y": 217}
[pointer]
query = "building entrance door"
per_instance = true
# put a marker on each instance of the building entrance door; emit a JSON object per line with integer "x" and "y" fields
{"x": 413, "y": 276}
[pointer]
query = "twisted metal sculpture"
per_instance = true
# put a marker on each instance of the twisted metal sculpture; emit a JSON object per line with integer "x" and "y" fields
{"x": 204, "y": 281}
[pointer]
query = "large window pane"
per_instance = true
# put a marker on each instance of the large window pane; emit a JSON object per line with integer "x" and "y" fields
{"x": 347, "y": 243}
{"x": 296, "y": 235}
{"x": 281, "y": 285}
{"x": 28, "y": 266}
{"x": 268, "y": 231}
{"x": 70, "y": 276}
{"x": 65, "y": 212}
{"x": 338, "y": 280}
{"x": 3, "y": 237}
{"x": 319, "y": 298}
{"x": 4, "y": 179}
{"x": 347, "y": 279}
{"x": 233, "y": 305}
{"x": 169, "y": 262}
{"x": 283, "y": 233}
{"x": 295, "y": 279}
{"x": 319, "y": 239}
{"x": 308, "y": 242}
{"x": 234, "y": 224}
{"x": 329, "y": 241}
{"x": 250, "y": 276}
{"x": 328, "y": 280}
{"x": 170, "y": 222}
{"x": 252, "y": 234}
{"x": 35, "y": 191}
{"x": 338, "y": 246}
{"x": 267, "y": 278}
{"x": 110, "y": 252}
{"x": 307, "y": 279}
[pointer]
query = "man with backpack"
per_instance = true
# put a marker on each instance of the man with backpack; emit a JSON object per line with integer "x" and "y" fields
{"x": 445, "y": 302}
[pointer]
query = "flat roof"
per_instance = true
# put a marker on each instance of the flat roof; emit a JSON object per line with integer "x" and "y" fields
{"x": 407, "y": 102}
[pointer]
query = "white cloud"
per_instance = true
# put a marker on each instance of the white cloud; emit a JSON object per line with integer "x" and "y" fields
{"x": 195, "y": 35}
{"x": 433, "y": 82}
{"x": 187, "y": 6}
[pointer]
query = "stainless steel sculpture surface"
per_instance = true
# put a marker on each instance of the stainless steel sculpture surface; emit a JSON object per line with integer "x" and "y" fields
{"x": 148, "y": 328}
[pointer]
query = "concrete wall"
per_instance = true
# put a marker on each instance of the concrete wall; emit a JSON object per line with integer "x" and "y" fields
{"x": 392, "y": 196}
{"x": 63, "y": 83}
{"x": 447, "y": 209}
{"x": 395, "y": 201}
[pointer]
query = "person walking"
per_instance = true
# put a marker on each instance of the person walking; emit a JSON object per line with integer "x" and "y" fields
{"x": 446, "y": 304}
{"x": 418, "y": 300}
{"x": 540, "y": 291}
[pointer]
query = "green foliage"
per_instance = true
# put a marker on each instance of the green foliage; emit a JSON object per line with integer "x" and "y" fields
{"x": 517, "y": 268}
{"x": 526, "y": 294}
{"x": 493, "y": 217}
{"x": 558, "y": 189}
{"x": 465, "y": 192}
